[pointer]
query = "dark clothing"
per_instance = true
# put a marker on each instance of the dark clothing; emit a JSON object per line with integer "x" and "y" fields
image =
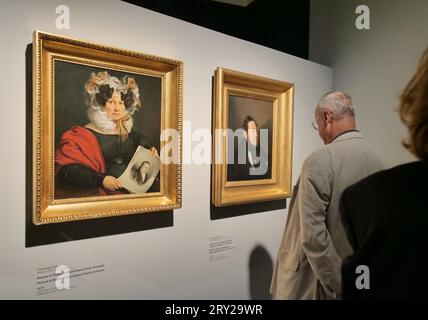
{"x": 241, "y": 171}
{"x": 80, "y": 176}
{"x": 386, "y": 217}
{"x": 116, "y": 156}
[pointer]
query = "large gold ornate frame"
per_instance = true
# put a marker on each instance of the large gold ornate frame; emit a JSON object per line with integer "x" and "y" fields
{"x": 47, "y": 48}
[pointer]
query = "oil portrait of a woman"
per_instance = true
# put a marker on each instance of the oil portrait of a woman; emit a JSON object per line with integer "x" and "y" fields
{"x": 90, "y": 158}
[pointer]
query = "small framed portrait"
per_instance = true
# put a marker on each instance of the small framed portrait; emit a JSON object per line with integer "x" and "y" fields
{"x": 253, "y": 137}
{"x": 99, "y": 114}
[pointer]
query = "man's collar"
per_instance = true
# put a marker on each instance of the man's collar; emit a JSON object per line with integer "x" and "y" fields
{"x": 340, "y": 136}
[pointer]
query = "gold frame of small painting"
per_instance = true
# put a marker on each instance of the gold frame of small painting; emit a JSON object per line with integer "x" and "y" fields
{"x": 251, "y": 94}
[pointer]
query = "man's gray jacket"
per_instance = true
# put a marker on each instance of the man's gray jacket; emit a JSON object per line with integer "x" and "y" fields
{"x": 314, "y": 240}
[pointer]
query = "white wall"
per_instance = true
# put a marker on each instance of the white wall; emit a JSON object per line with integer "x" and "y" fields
{"x": 372, "y": 65}
{"x": 164, "y": 263}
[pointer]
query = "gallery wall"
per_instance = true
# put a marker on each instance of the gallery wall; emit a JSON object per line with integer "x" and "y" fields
{"x": 165, "y": 263}
{"x": 372, "y": 65}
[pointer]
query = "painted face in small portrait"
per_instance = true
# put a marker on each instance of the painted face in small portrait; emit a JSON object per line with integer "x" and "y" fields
{"x": 141, "y": 173}
{"x": 251, "y": 158}
{"x": 251, "y": 131}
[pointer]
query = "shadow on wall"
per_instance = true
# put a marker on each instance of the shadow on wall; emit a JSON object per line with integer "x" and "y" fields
{"x": 261, "y": 269}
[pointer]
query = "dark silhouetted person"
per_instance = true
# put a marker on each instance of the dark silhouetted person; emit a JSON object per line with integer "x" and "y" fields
{"x": 386, "y": 214}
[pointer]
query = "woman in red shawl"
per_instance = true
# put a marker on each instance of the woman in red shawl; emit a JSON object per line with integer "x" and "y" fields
{"x": 94, "y": 156}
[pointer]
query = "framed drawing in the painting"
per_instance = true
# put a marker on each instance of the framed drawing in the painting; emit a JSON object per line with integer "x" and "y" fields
{"x": 98, "y": 117}
{"x": 253, "y": 136}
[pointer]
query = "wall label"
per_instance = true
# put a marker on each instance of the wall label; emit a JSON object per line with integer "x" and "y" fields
{"x": 220, "y": 247}
{"x": 58, "y": 278}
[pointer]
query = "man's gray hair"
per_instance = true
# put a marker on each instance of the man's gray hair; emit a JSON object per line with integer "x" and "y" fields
{"x": 339, "y": 103}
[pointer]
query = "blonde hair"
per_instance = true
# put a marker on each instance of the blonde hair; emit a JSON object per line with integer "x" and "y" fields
{"x": 414, "y": 110}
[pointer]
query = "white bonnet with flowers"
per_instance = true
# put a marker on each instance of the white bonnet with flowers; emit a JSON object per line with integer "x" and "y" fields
{"x": 128, "y": 89}
{"x": 127, "y": 84}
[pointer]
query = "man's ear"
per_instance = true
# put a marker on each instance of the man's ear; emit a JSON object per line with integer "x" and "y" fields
{"x": 327, "y": 116}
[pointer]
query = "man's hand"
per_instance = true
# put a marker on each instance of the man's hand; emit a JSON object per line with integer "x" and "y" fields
{"x": 111, "y": 183}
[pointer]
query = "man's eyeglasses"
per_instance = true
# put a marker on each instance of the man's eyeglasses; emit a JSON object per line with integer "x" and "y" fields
{"x": 314, "y": 125}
